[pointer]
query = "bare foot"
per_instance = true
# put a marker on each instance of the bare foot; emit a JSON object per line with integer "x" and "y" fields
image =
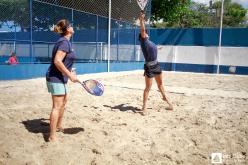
{"x": 51, "y": 139}
{"x": 60, "y": 129}
{"x": 143, "y": 112}
{"x": 170, "y": 107}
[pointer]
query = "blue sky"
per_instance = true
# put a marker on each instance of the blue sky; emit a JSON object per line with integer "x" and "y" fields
{"x": 244, "y": 3}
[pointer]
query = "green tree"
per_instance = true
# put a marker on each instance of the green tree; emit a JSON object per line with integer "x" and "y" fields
{"x": 187, "y": 13}
{"x": 197, "y": 16}
{"x": 234, "y": 14}
{"x": 172, "y": 12}
{"x": 15, "y": 11}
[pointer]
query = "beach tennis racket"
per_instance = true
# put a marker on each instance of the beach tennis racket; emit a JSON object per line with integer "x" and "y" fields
{"x": 93, "y": 87}
{"x": 142, "y": 4}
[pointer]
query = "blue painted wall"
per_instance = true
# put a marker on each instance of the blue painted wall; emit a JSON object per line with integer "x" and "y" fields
{"x": 3, "y": 59}
{"x": 200, "y": 37}
{"x": 22, "y": 71}
{"x": 28, "y": 71}
{"x": 126, "y": 66}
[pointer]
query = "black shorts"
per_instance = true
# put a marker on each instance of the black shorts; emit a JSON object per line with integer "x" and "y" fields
{"x": 152, "y": 71}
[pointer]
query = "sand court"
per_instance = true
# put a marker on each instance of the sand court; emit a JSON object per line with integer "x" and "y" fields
{"x": 210, "y": 115}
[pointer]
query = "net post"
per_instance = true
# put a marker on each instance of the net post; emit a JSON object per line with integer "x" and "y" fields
{"x": 174, "y": 58}
{"x": 101, "y": 52}
{"x": 31, "y": 31}
{"x": 136, "y": 59}
{"x": 97, "y": 37}
{"x": 109, "y": 32}
{"x": 220, "y": 36}
{"x": 118, "y": 43}
{"x": 72, "y": 22}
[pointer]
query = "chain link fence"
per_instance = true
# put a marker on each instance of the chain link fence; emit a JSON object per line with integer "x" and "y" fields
{"x": 25, "y": 29}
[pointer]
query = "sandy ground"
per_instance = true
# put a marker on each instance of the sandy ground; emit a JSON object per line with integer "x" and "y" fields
{"x": 210, "y": 116}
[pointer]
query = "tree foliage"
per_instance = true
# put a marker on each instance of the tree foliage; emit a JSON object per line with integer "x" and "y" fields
{"x": 234, "y": 13}
{"x": 172, "y": 12}
{"x": 179, "y": 13}
{"x": 15, "y": 11}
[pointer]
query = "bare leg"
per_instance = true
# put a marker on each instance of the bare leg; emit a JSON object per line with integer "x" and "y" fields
{"x": 159, "y": 81}
{"x": 61, "y": 113}
{"x": 148, "y": 82}
{"x": 54, "y": 116}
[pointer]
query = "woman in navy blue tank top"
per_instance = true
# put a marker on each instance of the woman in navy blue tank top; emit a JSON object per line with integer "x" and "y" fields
{"x": 58, "y": 74}
{"x": 151, "y": 68}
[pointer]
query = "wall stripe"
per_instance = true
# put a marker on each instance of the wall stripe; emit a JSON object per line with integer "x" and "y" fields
{"x": 200, "y": 68}
{"x": 235, "y": 56}
{"x": 28, "y": 71}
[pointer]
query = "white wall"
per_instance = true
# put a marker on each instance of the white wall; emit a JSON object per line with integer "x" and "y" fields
{"x": 237, "y": 56}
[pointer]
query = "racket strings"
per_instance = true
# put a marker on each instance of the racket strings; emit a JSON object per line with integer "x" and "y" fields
{"x": 91, "y": 84}
{"x": 93, "y": 87}
{"x": 142, "y": 3}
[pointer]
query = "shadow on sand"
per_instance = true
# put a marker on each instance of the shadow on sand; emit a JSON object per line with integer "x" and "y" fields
{"x": 124, "y": 108}
{"x": 42, "y": 126}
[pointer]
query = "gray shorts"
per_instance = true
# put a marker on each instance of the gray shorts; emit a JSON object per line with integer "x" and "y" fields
{"x": 152, "y": 70}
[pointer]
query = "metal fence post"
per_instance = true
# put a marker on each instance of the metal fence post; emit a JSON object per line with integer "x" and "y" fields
{"x": 96, "y": 37}
{"x": 31, "y": 31}
{"x": 220, "y": 36}
{"x": 109, "y": 32}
